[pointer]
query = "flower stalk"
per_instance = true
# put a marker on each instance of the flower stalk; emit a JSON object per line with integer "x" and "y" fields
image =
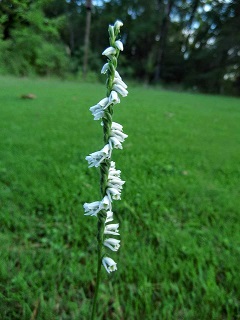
{"x": 110, "y": 182}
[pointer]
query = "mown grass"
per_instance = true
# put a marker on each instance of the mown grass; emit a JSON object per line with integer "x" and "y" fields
{"x": 179, "y": 214}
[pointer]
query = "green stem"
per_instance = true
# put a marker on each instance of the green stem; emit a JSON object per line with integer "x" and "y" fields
{"x": 99, "y": 236}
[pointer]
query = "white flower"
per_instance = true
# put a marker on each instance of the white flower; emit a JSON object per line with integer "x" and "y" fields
{"x": 113, "y": 173}
{"x": 109, "y": 264}
{"x": 114, "y": 143}
{"x": 112, "y": 229}
{"x": 105, "y": 68}
{"x": 112, "y": 244}
{"x": 109, "y": 216}
{"x": 115, "y": 182}
{"x": 92, "y": 209}
{"x": 120, "y": 89}
{"x": 103, "y": 102}
{"x": 106, "y": 203}
{"x": 117, "y": 75}
{"x": 95, "y": 158}
{"x": 120, "y": 82}
{"x": 116, "y": 126}
{"x": 118, "y": 24}
{"x": 109, "y": 51}
{"x": 113, "y": 193}
{"x": 97, "y": 111}
{"x": 114, "y": 98}
{"x": 119, "y": 45}
{"x": 116, "y": 132}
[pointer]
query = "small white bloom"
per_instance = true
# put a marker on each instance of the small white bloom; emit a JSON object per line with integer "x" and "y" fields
{"x": 113, "y": 172}
{"x": 95, "y": 158}
{"x": 105, "y": 68}
{"x": 118, "y": 24}
{"x": 118, "y": 134}
{"x": 109, "y": 264}
{"x": 120, "y": 83}
{"x": 109, "y": 51}
{"x": 113, "y": 193}
{"x": 112, "y": 229}
{"x": 114, "y": 98}
{"x": 116, "y": 126}
{"x": 119, "y": 45}
{"x": 115, "y": 182}
{"x": 91, "y": 209}
{"x": 112, "y": 244}
{"x": 97, "y": 111}
{"x": 117, "y": 75}
{"x": 123, "y": 92}
{"x": 109, "y": 216}
{"x": 114, "y": 143}
{"x": 103, "y": 102}
{"x": 105, "y": 203}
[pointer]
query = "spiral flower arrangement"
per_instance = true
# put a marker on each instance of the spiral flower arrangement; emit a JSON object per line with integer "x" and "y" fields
{"x": 110, "y": 182}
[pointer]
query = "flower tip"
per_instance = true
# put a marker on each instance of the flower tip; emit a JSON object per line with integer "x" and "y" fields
{"x": 118, "y": 24}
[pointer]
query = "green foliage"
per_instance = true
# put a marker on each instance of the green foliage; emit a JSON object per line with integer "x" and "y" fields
{"x": 179, "y": 214}
{"x": 194, "y": 44}
{"x": 31, "y": 42}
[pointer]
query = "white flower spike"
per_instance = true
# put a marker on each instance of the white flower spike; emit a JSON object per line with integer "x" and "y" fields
{"x": 111, "y": 183}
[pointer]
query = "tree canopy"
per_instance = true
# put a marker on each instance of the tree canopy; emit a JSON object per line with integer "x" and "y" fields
{"x": 189, "y": 43}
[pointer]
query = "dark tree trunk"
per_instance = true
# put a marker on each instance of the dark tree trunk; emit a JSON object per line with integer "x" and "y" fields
{"x": 87, "y": 37}
{"x": 162, "y": 40}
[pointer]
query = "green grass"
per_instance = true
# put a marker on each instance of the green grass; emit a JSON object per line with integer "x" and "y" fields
{"x": 179, "y": 215}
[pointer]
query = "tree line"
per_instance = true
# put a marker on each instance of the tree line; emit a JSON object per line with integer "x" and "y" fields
{"x": 192, "y": 44}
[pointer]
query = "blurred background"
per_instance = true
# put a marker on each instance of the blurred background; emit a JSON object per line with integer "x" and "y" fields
{"x": 181, "y": 44}
{"x": 179, "y": 214}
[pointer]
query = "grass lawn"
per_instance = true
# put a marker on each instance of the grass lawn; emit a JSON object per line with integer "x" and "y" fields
{"x": 179, "y": 215}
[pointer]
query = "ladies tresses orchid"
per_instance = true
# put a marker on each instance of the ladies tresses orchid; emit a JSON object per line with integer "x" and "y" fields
{"x": 119, "y": 45}
{"x": 105, "y": 68}
{"x": 117, "y": 133}
{"x": 114, "y": 98}
{"x": 110, "y": 181}
{"x": 98, "y": 109}
{"x": 109, "y": 216}
{"x": 109, "y": 51}
{"x": 96, "y": 158}
{"x": 112, "y": 229}
{"x": 113, "y": 194}
{"x": 109, "y": 264}
{"x": 112, "y": 244}
{"x": 114, "y": 143}
{"x": 119, "y": 82}
{"x": 92, "y": 209}
{"x": 120, "y": 89}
